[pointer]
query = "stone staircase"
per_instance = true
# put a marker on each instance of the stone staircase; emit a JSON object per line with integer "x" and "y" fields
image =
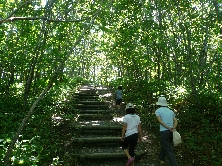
{"x": 98, "y": 140}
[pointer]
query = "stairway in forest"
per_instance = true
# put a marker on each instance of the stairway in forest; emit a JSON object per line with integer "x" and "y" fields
{"x": 98, "y": 140}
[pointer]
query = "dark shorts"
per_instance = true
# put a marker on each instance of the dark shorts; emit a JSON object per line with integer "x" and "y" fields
{"x": 118, "y": 101}
{"x": 130, "y": 141}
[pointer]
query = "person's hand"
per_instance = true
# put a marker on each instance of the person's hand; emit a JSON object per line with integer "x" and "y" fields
{"x": 122, "y": 138}
{"x": 172, "y": 129}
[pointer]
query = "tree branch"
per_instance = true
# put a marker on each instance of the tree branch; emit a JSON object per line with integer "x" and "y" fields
{"x": 13, "y": 12}
{"x": 11, "y": 19}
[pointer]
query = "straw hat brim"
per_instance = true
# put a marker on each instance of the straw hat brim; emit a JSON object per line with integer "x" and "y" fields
{"x": 161, "y": 104}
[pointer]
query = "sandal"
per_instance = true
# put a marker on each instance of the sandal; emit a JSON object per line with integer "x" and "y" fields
{"x": 129, "y": 161}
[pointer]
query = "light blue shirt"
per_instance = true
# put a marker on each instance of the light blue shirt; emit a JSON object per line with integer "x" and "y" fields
{"x": 119, "y": 94}
{"x": 166, "y": 116}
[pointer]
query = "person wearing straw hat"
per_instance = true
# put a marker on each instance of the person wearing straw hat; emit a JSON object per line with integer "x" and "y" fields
{"x": 131, "y": 133}
{"x": 168, "y": 123}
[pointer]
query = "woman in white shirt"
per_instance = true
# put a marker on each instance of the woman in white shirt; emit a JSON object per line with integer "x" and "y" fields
{"x": 131, "y": 132}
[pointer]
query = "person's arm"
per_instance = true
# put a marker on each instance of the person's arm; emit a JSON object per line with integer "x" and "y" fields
{"x": 162, "y": 123}
{"x": 140, "y": 132}
{"x": 123, "y": 131}
{"x": 114, "y": 95}
{"x": 175, "y": 123}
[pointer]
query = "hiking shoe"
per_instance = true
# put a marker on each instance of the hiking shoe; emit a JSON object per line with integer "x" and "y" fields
{"x": 129, "y": 161}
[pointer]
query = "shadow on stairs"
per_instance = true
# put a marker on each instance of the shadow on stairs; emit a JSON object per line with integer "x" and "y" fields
{"x": 98, "y": 141}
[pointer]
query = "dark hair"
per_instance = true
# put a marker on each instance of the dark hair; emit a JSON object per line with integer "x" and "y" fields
{"x": 120, "y": 87}
{"x": 130, "y": 110}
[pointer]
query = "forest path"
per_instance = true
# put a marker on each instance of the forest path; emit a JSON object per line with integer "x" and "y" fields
{"x": 93, "y": 138}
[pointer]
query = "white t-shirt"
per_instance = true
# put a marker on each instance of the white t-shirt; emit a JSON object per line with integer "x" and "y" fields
{"x": 132, "y": 122}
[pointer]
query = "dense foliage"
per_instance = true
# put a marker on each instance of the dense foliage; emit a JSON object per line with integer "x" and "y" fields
{"x": 151, "y": 48}
{"x": 199, "y": 116}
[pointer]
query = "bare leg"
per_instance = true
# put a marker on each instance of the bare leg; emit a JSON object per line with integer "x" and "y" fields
{"x": 127, "y": 153}
{"x": 128, "y": 156}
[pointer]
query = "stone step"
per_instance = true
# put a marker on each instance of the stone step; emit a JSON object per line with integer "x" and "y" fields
{"x": 93, "y": 111}
{"x": 113, "y": 155}
{"x": 99, "y": 130}
{"x": 89, "y": 99}
{"x": 85, "y": 95}
{"x": 89, "y": 91}
{"x": 97, "y": 139}
{"x": 95, "y": 116}
{"x": 81, "y": 106}
{"x": 86, "y": 88}
{"x": 91, "y": 102}
{"x": 99, "y": 127}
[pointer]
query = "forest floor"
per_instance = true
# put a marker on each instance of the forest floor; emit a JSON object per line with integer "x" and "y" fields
{"x": 150, "y": 144}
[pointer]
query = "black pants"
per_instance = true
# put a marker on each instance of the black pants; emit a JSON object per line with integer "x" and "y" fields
{"x": 130, "y": 141}
{"x": 118, "y": 101}
{"x": 166, "y": 147}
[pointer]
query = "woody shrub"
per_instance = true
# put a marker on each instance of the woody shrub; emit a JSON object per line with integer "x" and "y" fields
{"x": 200, "y": 121}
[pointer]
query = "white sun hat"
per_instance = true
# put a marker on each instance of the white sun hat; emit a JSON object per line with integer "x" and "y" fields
{"x": 129, "y": 105}
{"x": 162, "y": 101}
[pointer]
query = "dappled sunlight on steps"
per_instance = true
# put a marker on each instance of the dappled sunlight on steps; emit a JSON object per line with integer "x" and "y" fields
{"x": 92, "y": 138}
{"x": 99, "y": 131}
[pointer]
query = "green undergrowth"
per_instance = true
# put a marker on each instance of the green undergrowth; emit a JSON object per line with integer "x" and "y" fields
{"x": 200, "y": 129}
{"x": 39, "y": 143}
{"x": 199, "y": 115}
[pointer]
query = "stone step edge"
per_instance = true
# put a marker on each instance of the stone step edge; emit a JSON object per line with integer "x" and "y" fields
{"x": 94, "y": 111}
{"x": 90, "y": 106}
{"x": 85, "y": 94}
{"x": 106, "y": 155}
{"x": 93, "y": 115}
{"x": 91, "y": 102}
{"x": 96, "y": 139}
{"x": 116, "y": 127}
{"x": 91, "y": 110}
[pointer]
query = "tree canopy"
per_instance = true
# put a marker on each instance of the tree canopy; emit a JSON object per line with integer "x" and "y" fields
{"x": 173, "y": 41}
{"x": 158, "y": 47}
